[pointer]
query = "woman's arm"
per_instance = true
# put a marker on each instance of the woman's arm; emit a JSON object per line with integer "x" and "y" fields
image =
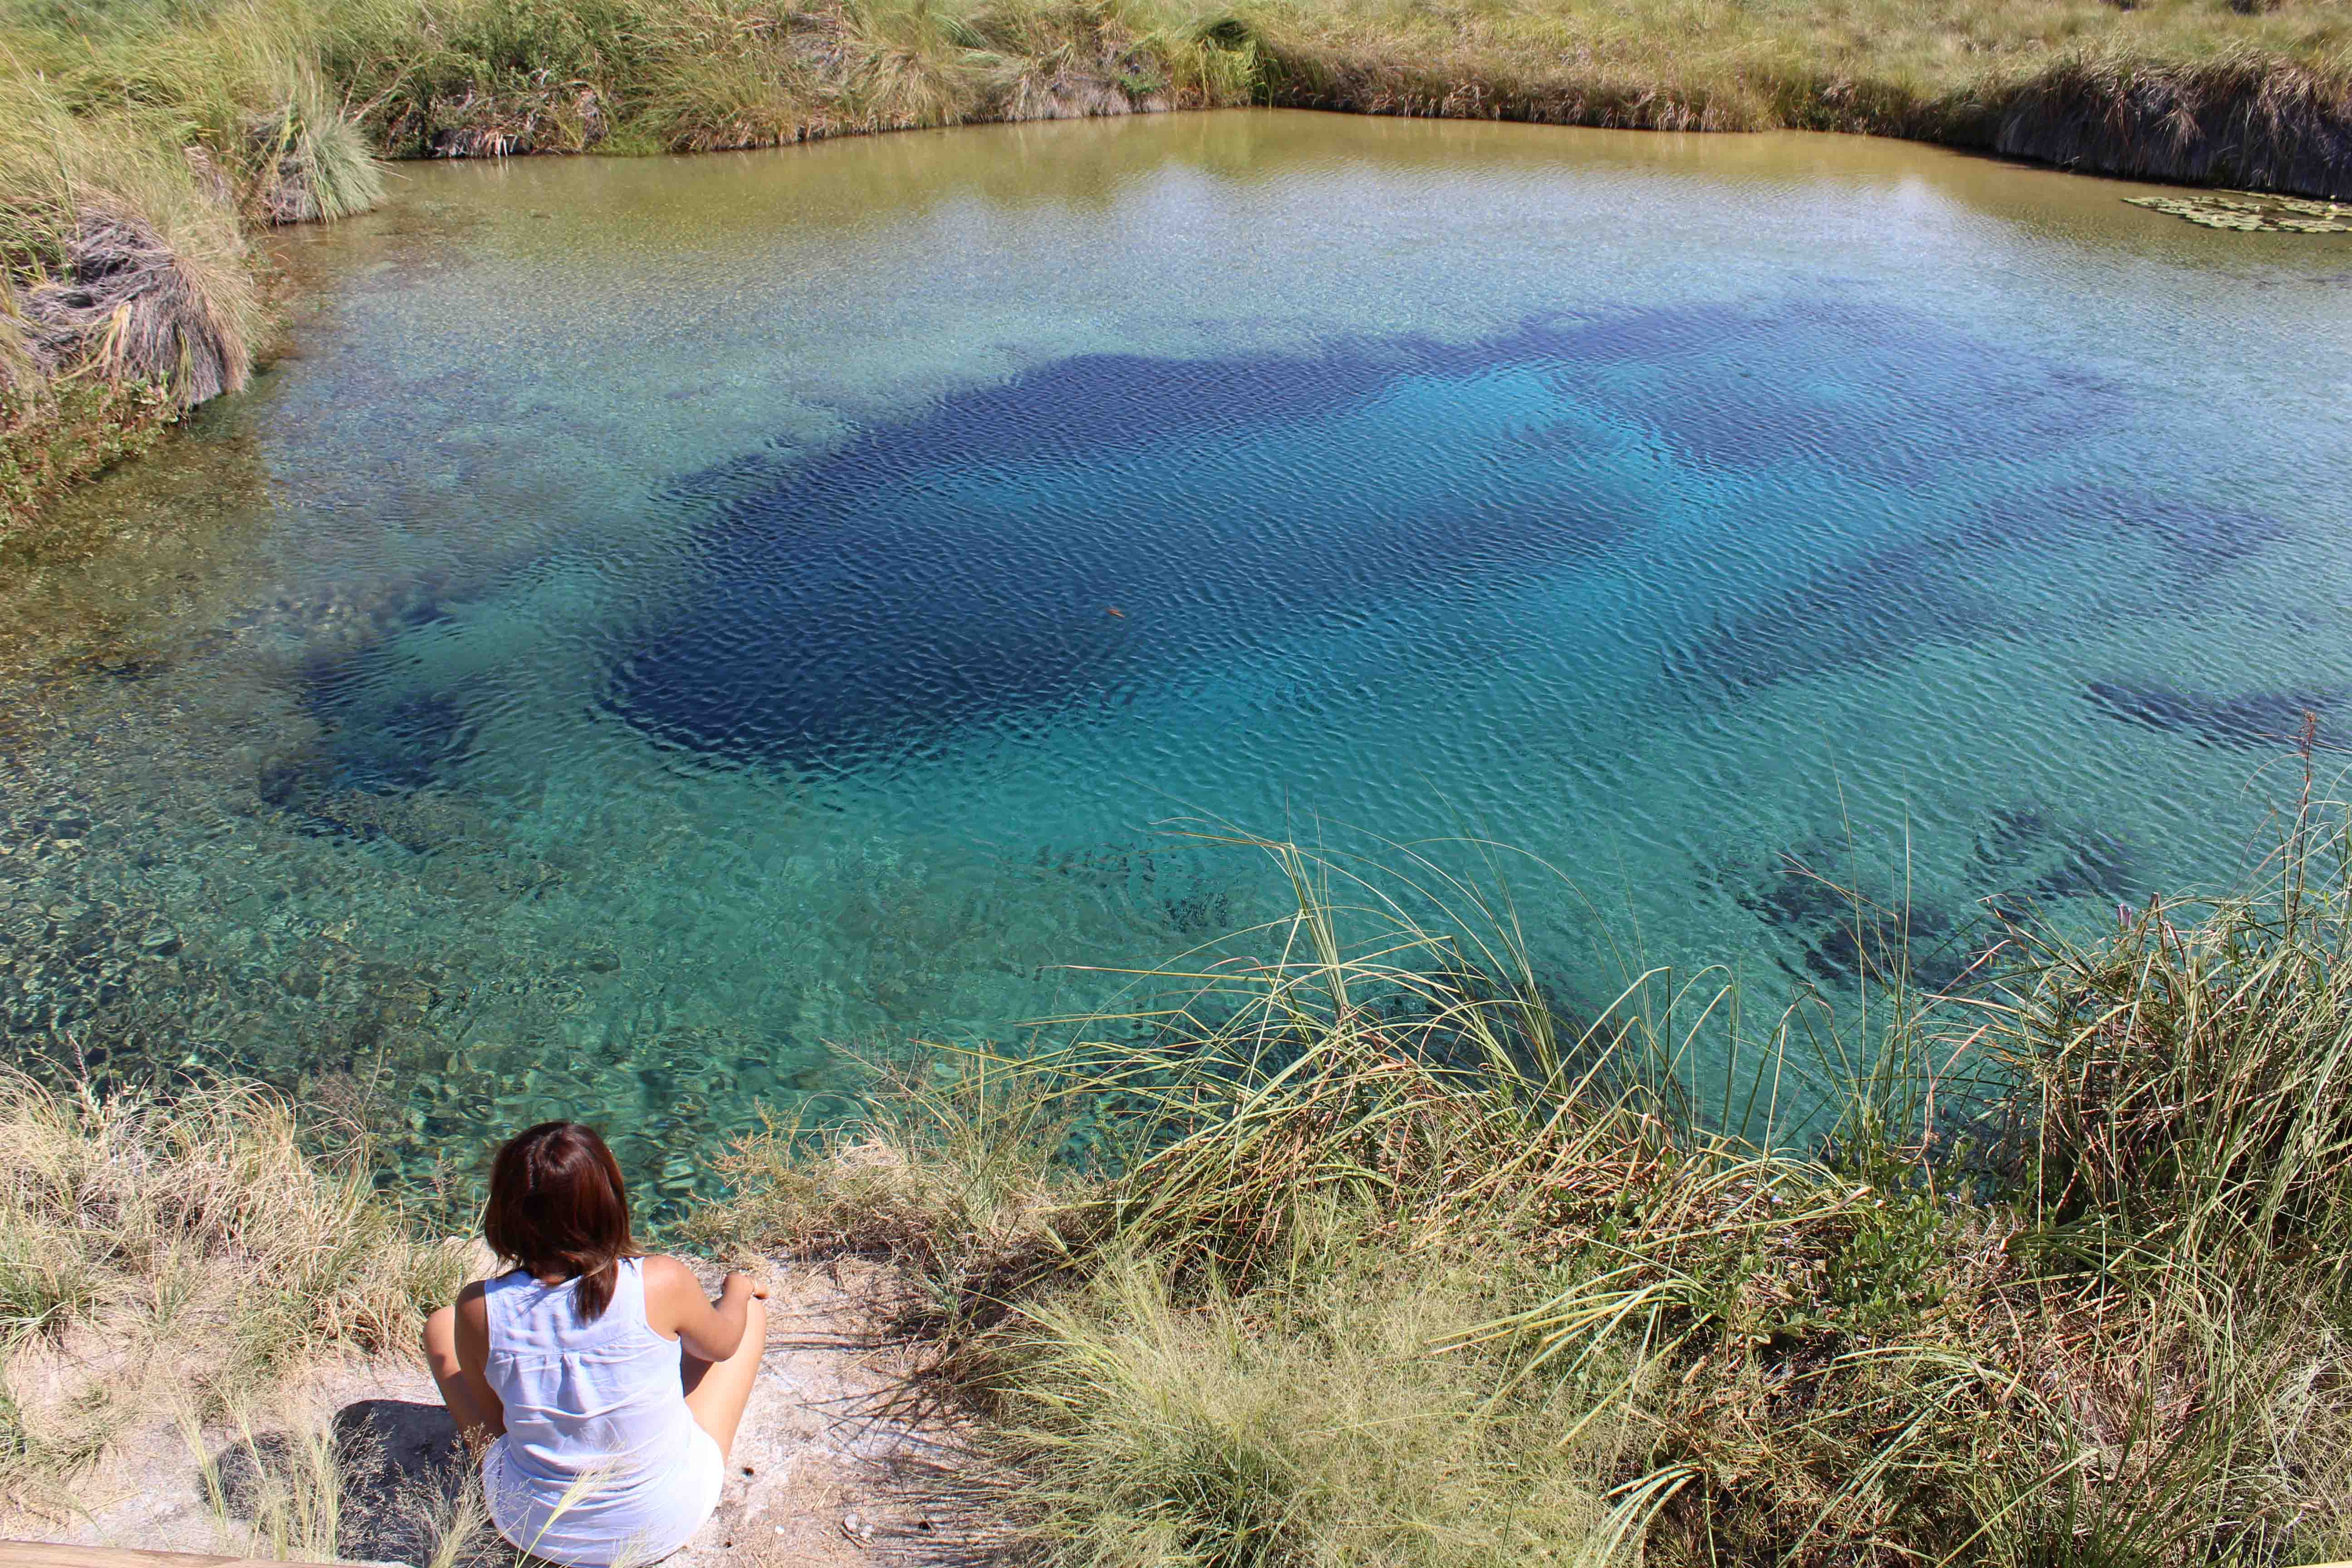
{"x": 474, "y": 1355}
{"x": 675, "y": 1306}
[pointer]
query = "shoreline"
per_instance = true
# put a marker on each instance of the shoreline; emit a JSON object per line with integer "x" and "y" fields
{"x": 2195, "y": 127}
{"x": 101, "y": 237}
{"x": 1437, "y": 1276}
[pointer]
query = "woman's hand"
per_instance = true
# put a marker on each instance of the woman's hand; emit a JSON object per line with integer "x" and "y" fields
{"x": 676, "y": 1307}
{"x": 739, "y": 1283}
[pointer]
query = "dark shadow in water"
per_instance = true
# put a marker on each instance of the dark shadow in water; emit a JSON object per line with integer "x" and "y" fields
{"x": 2028, "y": 857}
{"x": 2198, "y": 540}
{"x": 1886, "y": 605}
{"x": 404, "y": 744}
{"x": 1056, "y": 541}
{"x": 380, "y": 733}
{"x": 2252, "y": 720}
{"x": 1837, "y": 384}
{"x": 1957, "y": 585}
{"x": 1844, "y": 938}
{"x": 1849, "y": 922}
{"x": 1102, "y": 524}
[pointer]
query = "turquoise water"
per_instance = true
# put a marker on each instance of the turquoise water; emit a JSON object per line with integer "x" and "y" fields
{"x": 670, "y": 629}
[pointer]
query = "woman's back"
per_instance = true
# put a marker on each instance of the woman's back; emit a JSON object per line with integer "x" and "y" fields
{"x": 604, "y": 1437}
{"x": 602, "y": 1460}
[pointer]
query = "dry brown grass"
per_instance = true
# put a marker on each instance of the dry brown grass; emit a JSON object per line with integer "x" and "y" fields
{"x": 188, "y": 1256}
{"x": 2175, "y": 90}
{"x": 134, "y": 269}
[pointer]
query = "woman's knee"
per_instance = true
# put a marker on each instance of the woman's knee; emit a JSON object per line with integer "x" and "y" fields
{"x": 755, "y": 1328}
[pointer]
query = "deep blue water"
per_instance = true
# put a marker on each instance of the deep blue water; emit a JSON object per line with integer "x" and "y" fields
{"x": 1027, "y": 553}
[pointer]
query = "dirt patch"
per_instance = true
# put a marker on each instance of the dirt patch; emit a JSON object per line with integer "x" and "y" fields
{"x": 840, "y": 1460}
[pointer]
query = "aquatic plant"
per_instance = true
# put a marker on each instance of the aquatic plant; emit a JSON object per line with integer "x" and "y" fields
{"x": 2248, "y": 212}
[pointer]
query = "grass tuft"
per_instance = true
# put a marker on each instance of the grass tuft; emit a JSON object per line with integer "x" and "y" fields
{"x": 2191, "y": 1077}
{"x": 731, "y": 74}
{"x": 182, "y": 1254}
{"x": 1349, "y": 1246}
{"x": 313, "y": 164}
{"x": 1269, "y": 1429}
{"x": 909, "y": 64}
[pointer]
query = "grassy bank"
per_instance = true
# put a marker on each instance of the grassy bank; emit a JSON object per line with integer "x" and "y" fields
{"x": 141, "y": 144}
{"x": 180, "y": 1260}
{"x": 1346, "y": 1244}
{"x": 1375, "y": 1258}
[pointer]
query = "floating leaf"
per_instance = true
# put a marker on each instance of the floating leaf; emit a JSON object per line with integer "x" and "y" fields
{"x": 2250, "y": 212}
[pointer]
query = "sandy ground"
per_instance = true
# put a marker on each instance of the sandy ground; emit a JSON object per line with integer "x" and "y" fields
{"x": 839, "y": 1459}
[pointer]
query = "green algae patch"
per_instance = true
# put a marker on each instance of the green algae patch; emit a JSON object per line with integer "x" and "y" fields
{"x": 2252, "y": 212}
{"x": 55, "y": 435}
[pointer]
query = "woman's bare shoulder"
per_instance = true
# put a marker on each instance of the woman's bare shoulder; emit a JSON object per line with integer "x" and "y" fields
{"x": 473, "y": 1317}
{"x": 673, "y": 1294}
{"x": 668, "y": 1274}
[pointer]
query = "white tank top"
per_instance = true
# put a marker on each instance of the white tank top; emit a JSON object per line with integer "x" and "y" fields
{"x": 602, "y": 1462}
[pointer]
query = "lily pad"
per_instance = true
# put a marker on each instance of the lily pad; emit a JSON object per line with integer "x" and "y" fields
{"x": 2250, "y": 212}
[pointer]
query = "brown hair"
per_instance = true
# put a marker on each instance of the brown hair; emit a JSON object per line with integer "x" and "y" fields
{"x": 557, "y": 1206}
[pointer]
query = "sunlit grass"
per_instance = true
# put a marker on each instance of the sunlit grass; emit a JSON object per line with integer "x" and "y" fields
{"x": 1343, "y": 1244}
{"x": 181, "y": 1256}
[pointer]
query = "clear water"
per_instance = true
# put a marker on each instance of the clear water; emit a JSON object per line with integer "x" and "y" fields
{"x": 671, "y": 627}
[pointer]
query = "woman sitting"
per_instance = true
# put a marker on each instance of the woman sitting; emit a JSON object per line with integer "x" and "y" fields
{"x": 599, "y": 1385}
